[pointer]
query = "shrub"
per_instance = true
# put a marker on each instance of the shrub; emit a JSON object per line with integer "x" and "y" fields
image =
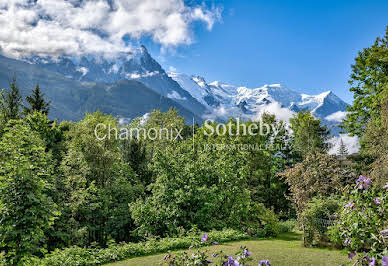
{"x": 201, "y": 258}
{"x": 116, "y": 252}
{"x": 317, "y": 175}
{"x": 287, "y": 226}
{"x": 318, "y": 215}
{"x": 267, "y": 223}
{"x": 363, "y": 218}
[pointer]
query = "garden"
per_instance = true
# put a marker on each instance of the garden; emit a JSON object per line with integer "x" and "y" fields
{"x": 67, "y": 198}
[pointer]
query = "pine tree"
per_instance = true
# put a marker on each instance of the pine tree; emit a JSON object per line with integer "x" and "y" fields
{"x": 342, "y": 150}
{"x": 36, "y": 102}
{"x": 12, "y": 102}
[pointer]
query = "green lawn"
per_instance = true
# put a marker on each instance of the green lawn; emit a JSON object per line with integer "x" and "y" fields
{"x": 284, "y": 250}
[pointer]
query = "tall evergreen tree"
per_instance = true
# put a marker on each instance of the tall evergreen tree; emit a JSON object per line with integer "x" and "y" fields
{"x": 12, "y": 102}
{"x": 37, "y": 102}
{"x": 342, "y": 150}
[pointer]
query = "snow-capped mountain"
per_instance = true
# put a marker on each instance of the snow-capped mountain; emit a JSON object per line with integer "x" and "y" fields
{"x": 223, "y": 100}
{"x": 138, "y": 65}
{"x": 214, "y": 100}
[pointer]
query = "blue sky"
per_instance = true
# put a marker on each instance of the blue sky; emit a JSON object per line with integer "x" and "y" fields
{"x": 305, "y": 45}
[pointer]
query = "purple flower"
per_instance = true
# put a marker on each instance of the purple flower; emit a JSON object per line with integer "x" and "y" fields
{"x": 377, "y": 201}
{"x": 165, "y": 257}
{"x": 361, "y": 179}
{"x": 264, "y": 262}
{"x": 232, "y": 262}
{"x": 247, "y": 253}
{"x": 384, "y": 261}
{"x": 384, "y": 232}
{"x": 385, "y": 187}
{"x": 214, "y": 243}
{"x": 349, "y": 205}
{"x": 363, "y": 182}
{"x": 347, "y": 241}
{"x": 372, "y": 262}
{"x": 214, "y": 255}
{"x": 351, "y": 255}
{"x": 204, "y": 238}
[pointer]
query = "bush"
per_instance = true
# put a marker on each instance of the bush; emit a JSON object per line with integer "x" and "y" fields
{"x": 318, "y": 215}
{"x": 201, "y": 258}
{"x": 287, "y": 226}
{"x": 317, "y": 175}
{"x": 362, "y": 219}
{"x": 267, "y": 223}
{"x": 116, "y": 252}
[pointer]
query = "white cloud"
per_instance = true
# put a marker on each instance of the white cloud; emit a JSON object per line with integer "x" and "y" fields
{"x": 83, "y": 70}
{"x": 175, "y": 95}
{"x": 275, "y": 108}
{"x": 136, "y": 75}
{"x": 336, "y": 117}
{"x": 352, "y": 143}
{"x": 172, "y": 69}
{"x": 75, "y": 27}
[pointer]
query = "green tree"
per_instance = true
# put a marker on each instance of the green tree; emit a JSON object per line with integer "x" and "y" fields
{"x": 342, "y": 150}
{"x": 374, "y": 147}
{"x": 318, "y": 175}
{"x": 12, "y": 102}
{"x": 369, "y": 81}
{"x": 26, "y": 210}
{"x": 96, "y": 178}
{"x": 308, "y": 135}
{"x": 194, "y": 187}
{"x": 37, "y": 102}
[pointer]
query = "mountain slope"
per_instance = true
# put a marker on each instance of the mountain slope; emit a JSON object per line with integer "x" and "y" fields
{"x": 71, "y": 99}
{"x": 138, "y": 66}
{"x": 248, "y": 103}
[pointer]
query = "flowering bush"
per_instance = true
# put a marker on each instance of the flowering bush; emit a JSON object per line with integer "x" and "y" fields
{"x": 201, "y": 258}
{"x": 218, "y": 258}
{"x": 116, "y": 252}
{"x": 363, "y": 221}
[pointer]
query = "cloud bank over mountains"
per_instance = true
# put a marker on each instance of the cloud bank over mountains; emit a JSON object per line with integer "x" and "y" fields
{"x": 77, "y": 27}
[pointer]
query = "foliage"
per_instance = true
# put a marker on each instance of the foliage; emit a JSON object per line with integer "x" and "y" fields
{"x": 12, "y": 102}
{"x": 374, "y": 147}
{"x": 201, "y": 258}
{"x": 369, "y": 81}
{"x": 342, "y": 150}
{"x": 115, "y": 252}
{"x": 309, "y": 137}
{"x": 287, "y": 226}
{"x": 318, "y": 175}
{"x": 26, "y": 210}
{"x": 205, "y": 189}
{"x": 37, "y": 102}
{"x": 362, "y": 218}
{"x": 99, "y": 185}
{"x": 318, "y": 215}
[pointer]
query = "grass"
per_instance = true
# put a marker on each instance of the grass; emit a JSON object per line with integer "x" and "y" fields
{"x": 287, "y": 249}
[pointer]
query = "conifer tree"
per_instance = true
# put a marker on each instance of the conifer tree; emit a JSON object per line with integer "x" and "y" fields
{"x": 37, "y": 102}
{"x": 12, "y": 102}
{"x": 342, "y": 150}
